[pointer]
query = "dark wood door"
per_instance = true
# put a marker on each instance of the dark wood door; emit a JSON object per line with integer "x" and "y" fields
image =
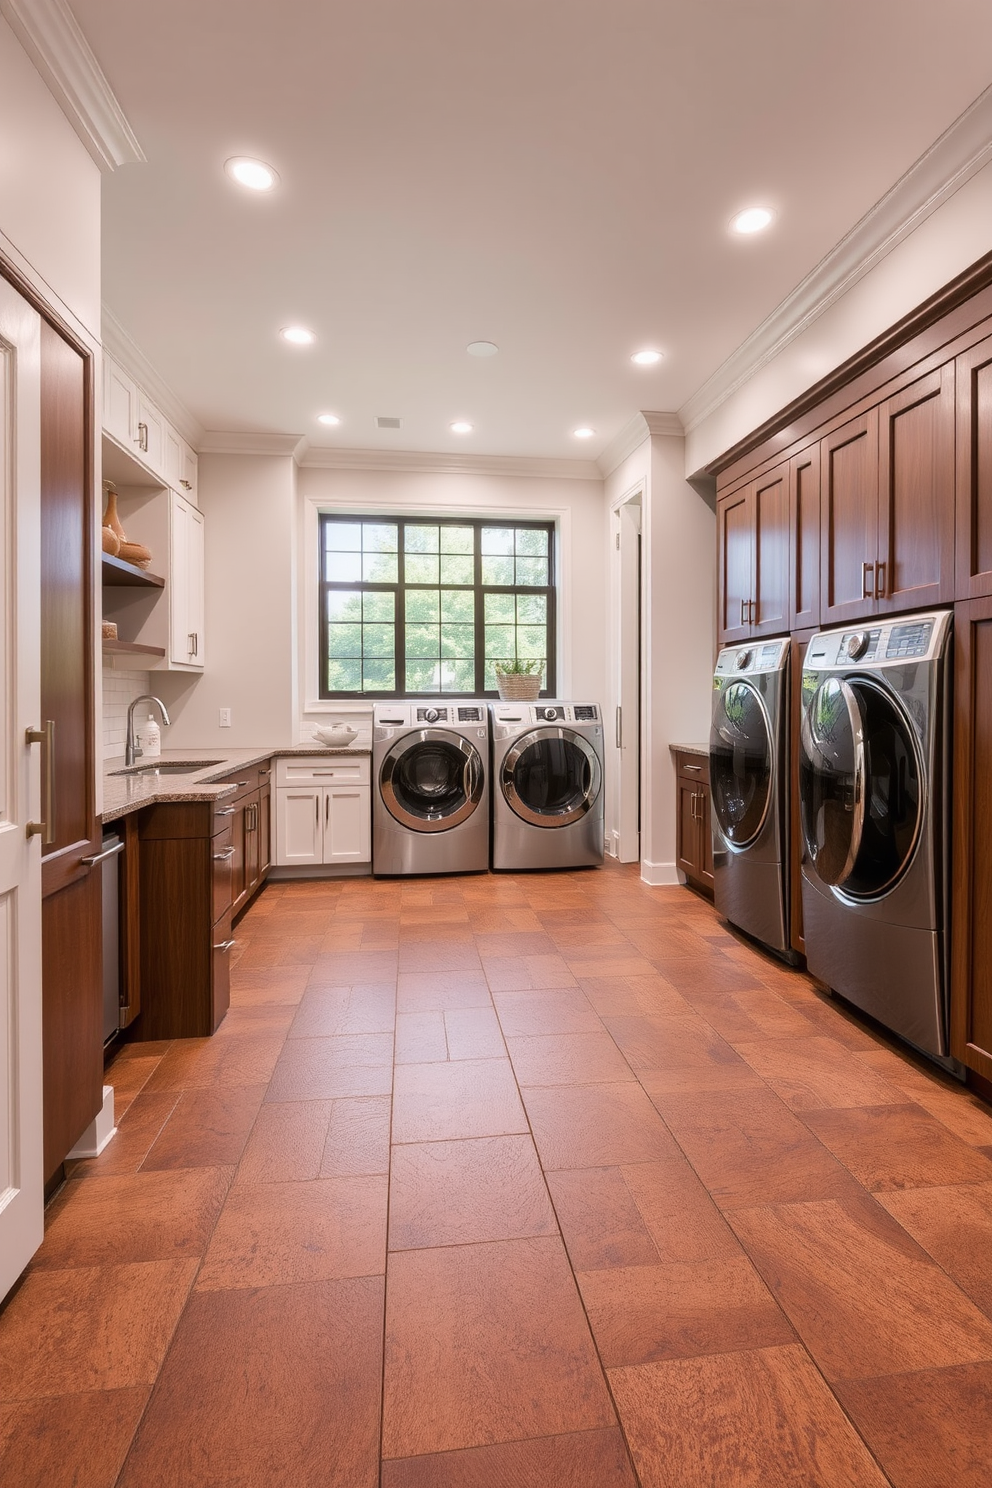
{"x": 914, "y": 567}
{"x": 804, "y": 539}
{"x": 72, "y": 982}
{"x": 705, "y": 838}
{"x": 849, "y": 520}
{"x": 251, "y": 845}
{"x": 688, "y": 846}
{"x": 264, "y": 830}
{"x": 735, "y": 556}
{"x": 971, "y": 934}
{"x": 770, "y": 525}
{"x": 973, "y": 380}
{"x": 239, "y": 858}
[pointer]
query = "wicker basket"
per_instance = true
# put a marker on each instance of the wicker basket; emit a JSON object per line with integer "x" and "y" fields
{"x": 519, "y": 687}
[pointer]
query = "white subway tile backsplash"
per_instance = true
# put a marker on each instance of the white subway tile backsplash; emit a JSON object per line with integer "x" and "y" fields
{"x": 119, "y": 691}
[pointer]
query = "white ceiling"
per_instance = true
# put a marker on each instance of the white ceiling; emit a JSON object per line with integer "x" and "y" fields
{"x": 553, "y": 175}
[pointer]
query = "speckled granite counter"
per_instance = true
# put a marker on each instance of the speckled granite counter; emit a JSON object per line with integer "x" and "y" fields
{"x": 703, "y": 749}
{"x": 130, "y": 791}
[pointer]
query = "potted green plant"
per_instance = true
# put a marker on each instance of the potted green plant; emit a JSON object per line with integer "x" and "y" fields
{"x": 519, "y": 681}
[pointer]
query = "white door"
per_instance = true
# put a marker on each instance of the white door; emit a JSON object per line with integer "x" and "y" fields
{"x": 21, "y": 1175}
{"x": 347, "y": 824}
{"x": 627, "y": 740}
{"x": 173, "y": 457}
{"x": 194, "y": 590}
{"x": 299, "y": 825}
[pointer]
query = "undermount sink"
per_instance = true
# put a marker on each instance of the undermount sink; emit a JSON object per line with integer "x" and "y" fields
{"x": 190, "y": 769}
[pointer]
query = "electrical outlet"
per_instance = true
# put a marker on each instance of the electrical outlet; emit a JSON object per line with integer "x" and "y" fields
{"x": 225, "y": 718}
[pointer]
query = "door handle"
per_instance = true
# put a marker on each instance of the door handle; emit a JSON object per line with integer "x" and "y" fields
{"x": 142, "y": 440}
{"x": 225, "y": 811}
{"x": 45, "y": 829}
{"x": 619, "y": 727}
{"x": 108, "y": 852}
{"x": 867, "y": 590}
{"x": 751, "y": 608}
{"x": 222, "y": 857}
{"x": 743, "y": 611}
{"x": 880, "y": 580}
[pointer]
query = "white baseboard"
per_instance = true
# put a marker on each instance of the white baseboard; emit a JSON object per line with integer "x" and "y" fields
{"x": 659, "y": 874}
{"x": 100, "y": 1130}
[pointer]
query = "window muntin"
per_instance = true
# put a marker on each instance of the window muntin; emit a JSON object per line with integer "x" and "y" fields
{"x": 414, "y": 606}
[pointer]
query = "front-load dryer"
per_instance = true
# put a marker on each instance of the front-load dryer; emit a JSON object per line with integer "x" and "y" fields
{"x": 874, "y": 809}
{"x": 547, "y": 785}
{"x": 749, "y": 789}
{"x": 430, "y": 787}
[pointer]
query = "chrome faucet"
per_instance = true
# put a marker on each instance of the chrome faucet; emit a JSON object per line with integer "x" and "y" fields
{"x": 131, "y": 748}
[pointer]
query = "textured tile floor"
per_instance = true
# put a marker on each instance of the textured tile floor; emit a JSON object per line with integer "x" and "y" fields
{"x": 513, "y": 1182}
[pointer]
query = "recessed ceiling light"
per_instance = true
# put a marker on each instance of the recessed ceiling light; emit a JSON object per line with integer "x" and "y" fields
{"x": 461, "y": 427}
{"x": 297, "y": 335}
{"x": 328, "y": 418}
{"x": 751, "y": 220}
{"x": 482, "y": 348}
{"x": 584, "y": 433}
{"x": 254, "y": 174}
{"x": 647, "y": 358}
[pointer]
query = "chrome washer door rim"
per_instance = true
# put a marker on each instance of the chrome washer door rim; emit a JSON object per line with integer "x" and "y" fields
{"x": 547, "y": 819}
{"x": 811, "y": 749}
{"x": 473, "y": 780}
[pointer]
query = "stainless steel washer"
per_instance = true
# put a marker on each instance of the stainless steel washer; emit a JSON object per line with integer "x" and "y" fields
{"x": 547, "y": 785}
{"x": 874, "y": 802}
{"x": 430, "y": 808}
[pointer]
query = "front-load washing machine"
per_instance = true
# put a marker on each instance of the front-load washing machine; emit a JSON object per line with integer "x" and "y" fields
{"x": 874, "y": 806}
{"x": 430, "y": 787}
{"x": 547, "y": 785}
{"x": 749, "y": 789}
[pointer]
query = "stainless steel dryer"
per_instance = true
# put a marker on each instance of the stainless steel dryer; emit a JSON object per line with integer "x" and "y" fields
{"x": 547, "y": 785}
{"x": 430, "y": 790}
{"x": 749, "y": 783}
{"x": 874, "y": 801}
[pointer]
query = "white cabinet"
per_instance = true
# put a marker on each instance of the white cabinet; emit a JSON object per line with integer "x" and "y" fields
{"x": 170, "y": 618}
{"x": 136, "y": 424}
{"x": 323, "y": 810}
{"x": 186, "y": 640}
{"x": 150, "y": 435}
{"x": 120, "y": 404}
{"x": 180, "y": 463}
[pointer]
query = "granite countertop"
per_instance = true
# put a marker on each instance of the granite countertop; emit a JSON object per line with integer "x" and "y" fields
{"x": 124, "y": 793}
{"x": 690, "y": 749}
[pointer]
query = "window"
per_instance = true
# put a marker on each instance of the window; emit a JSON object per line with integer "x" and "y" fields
{"x": 421, "y": 605}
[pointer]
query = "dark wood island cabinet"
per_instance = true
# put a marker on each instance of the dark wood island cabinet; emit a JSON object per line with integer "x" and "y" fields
{"x": 694, "y": 834}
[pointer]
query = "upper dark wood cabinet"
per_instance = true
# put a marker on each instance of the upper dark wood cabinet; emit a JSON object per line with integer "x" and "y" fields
{"x": 804, "y": 539}
{"x": 848, "y": 520}
{"x": 735, "y": 539}
{"x": 914, "y": 561}
{"x": 770, "y": 581}
{"x": 971, "y": 972}
{"x": 974, "y": 472}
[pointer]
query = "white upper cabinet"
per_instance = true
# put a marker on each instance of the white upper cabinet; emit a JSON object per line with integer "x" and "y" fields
{"x": 138, "y": 426}
{"x": 120, "y": 404}
{"x": 150, "y": 435}
{"x": 186, "y": 640}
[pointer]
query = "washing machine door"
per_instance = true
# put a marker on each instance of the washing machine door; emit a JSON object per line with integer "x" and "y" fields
{"x": 551, "y": 777}
{"x": 432, "y": 780}
{"x": 740, "y": 763}
{"x": 861, "y": 789}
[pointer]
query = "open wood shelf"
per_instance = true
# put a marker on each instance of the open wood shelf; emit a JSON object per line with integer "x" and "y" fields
{"x": 131, "y": 648}
{"x": 118, "y": 574}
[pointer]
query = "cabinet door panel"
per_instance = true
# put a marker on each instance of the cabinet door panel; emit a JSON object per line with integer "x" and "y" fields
{"x": 974, "y": 472}
{"x": 688, "y": 844}
{"x": 736, "y": 565}
{"x": 804, "y": 531}
{"x": 849, "y": 520}
{"x": 971, "y": 984}
{"x": 264, "y": 831}
{"x": 705, "y": 839}
{"x": 120, "y": 403}
{"x": 770, "y": 517}
{"x": 180, "y": 650}
{"x": 195, "y": 584}
{"x": 347, "y": 824}
{"x": 916, "y": 500}
{"x": 299, "y": 826}
{"x": 150, "y": 435}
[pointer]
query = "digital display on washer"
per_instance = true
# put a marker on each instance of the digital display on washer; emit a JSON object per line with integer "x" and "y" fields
{"x": 909, "y": 640}
{"x": 584, "y": 712}
{"x": 469, "y": 715}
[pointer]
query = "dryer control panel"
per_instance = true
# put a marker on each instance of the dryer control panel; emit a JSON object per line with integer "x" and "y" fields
{"x": 912, "y": 638}
{"x": 755, "y": 656}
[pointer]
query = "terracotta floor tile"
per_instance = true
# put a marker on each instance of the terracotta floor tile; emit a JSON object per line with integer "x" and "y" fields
{"x": 128, "y": 1076}
{"x": 69, "y": 1441}
{"x": 583, "y": 1459}
{"x": 749, "y": 1149}
{"x": 357, "y": 1142}
{"x": 327, "y": 1012}
{"x": 952, "y": 1104}
{"x": 138, "y": 1129}
{"x": 626, "y": 997}
{"x": 275, "y": 1358}
{"x": 862, "y": 1296}
{"x": 755, "y": 1013}
{"x": 813, "y": 1073}
{"x": 473, "y": 1033}
{"x": 571, "y": 938}
{"x": 928, "y": 1428}
{"x": 667, "y": 1043}
{"x": 510, "y": 1353}
{"x": 286, "y": 1143}
{"x": 345, "y": 968}
{"x": 282, "y": 985}
{"x": 758, "y": 1419}
{"x": 562, "y": 1010}
{"x": 601, "y": 1224}
{"x": 527, "y": 973}
{"x": 642, "y": 1313}
{"x": 898, "y": 1147}
{"x": 515, "y": 943}
{"x": 708, "y": 973}
{"x": 583, "y": 961}
{"x": 444, "y": 954}
{"x": 695, "y": 1079}
{"x": 596, "y": 1126}
{"x": 256, "y": 1018}
{"x": 278, "y": 1233}
{"x": 684, "y": 1223}
{"x": 954, "y": 1226}
{"x": 834, "y": 1019}
{"x": 458, "y": 1193}
{"x": 463, "y": 1098}
{"x": 90, "y": 1328}
{"x": 420, "y": 1038}
{"x": 488, "y": 921}
{"x": 568, "y": 1059}
{"x": 204, "y": 1064}
{"x": 321, "y": 1068}
{"x": 435, "y": 991}
{"x": 164, "y": 1216}
{"x": 207, "y": 1128}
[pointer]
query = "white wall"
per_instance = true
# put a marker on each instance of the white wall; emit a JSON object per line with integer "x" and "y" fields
{"x": 49, "y": 192}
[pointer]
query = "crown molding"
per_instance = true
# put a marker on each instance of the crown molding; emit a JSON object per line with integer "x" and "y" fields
{"x": 960, "y": 152}
{"x": 663, "y": 425}
{"x": 644, "y": 425}
{"x": 119, "y": 345}
{"x": 50, "y": 34}
{"x": 244, "y": 442}
{"x": 444, "y": 464}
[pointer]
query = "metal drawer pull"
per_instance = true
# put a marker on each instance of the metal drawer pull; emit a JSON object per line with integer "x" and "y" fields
{"x": 142, "y": 439}
{"x": 239, "y": 783}
{"x": 867, "y": 591}
{"x": 108, "y": 852}
{"x": 743, "y": 608}
{"x": 880, "y": 581}
{"x": 222, "y": 857}
{"x": 694, "y": 768}
{"x": 45, "y": 829}
{"x": 225, "y": 945}
{"x": 225, "y": 811}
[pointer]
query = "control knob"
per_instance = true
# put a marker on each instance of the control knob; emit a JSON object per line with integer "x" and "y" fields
{"x": 431, "y": 715}
{"x": 857, "y": 644}
{"x": 743, "y": 660}
{"x": 550, "y": 714}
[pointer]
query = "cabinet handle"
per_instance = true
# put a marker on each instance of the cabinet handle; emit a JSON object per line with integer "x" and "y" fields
{"x": 45, "y": 829}
{"x": 239, "y": 783}
{"x": 751, "y": 609}
{"x": 225, "y": 945}
{"x": 108, "y": 852}
{"x": 225, "y": 811}
{"x": 743, "y": 610}
{"x": 142, "y": 440}
{"x": 695, "y": 769}
{"x": 327, "y": 808}
{"x": 692, "y": 806}
{"x": 316, "y": 802}
{"x": 222, "y": 857}
{"x": 867, "y": 590}
{"x": 186, "y": 485}
{"x": 880, "y": 581}
{"x": 619, "y": 727}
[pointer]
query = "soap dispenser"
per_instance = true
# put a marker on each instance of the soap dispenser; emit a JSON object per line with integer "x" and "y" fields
{"x": 151, "y": 739}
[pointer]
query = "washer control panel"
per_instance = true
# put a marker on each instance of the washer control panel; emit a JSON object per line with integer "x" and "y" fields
{"x": 768, "y": 656}
{"x": 918, "y": 638}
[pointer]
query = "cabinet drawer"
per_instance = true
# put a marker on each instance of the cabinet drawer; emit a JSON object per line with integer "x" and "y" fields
{"x": 323, "y": 770}
{"x": 694, "y": 767}
{"x": 222, "y": 848}
{"x": 245, "y": 780}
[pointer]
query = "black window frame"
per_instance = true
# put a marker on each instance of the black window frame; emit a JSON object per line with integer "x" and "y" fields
{"x": 399, "y": 589}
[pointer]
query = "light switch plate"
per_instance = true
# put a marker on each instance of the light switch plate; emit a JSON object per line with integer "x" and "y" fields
{"x": 225, "y": 718}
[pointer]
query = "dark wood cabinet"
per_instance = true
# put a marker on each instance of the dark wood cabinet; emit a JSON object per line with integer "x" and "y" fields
{"x": 973, "y": 398}
{"x": 251, "y": 832}
{"x": 735, "y": 545}
{"x": 848, "y": 520}
{"x": 804, "y": 539}
{"x": 754, "y": 558}
{"x": 914, "y": 559}
{"x": 694, "y": 845}
{"x": 971, "y": 926}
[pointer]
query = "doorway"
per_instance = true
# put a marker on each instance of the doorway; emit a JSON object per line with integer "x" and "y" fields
{"x": 627, "y": 739}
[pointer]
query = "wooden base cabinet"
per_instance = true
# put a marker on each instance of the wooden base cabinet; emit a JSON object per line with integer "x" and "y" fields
{"x": 323, "y": 811}
{"x": 694, "y": 844}
{"x": 251, "y": 831}
{"x": 971, "y": 932}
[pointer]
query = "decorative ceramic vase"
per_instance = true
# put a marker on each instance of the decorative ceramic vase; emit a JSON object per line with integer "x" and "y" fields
{"x": 135, "y": 553}
{"x": 111, "y": 542}
{"x": 519, "y": 687}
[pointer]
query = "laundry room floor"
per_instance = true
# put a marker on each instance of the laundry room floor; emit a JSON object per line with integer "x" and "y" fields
{"x": 546, "y": 1181}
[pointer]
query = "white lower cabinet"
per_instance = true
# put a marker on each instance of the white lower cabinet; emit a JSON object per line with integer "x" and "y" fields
{"x": 323, "y": 811}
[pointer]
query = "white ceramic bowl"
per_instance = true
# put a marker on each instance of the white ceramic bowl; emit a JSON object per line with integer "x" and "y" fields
{"x": 335, "y": 733}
